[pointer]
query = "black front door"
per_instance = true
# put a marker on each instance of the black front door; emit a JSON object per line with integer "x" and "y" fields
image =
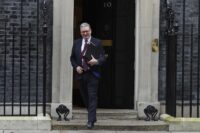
{"x": 113, "y": 22}
{"x": 124, "y": 53}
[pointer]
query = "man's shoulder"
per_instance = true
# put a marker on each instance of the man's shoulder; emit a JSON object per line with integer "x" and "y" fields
{"x": 77, "y": 40}
{"x": 95, "y": 40}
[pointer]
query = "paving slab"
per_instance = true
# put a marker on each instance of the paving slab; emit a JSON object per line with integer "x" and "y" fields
{"x": 180, "y": 124}
{"x": 142, "y": 132}
{"x": 88, "y": 131}
{"x": 106, "y": 131}
{"x": 29, "y": 131}
{"x": 185, "y": 132}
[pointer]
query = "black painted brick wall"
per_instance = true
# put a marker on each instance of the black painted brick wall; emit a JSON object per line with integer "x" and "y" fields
{"x": 11, "y": 9}
{"x": 191, "y": 17}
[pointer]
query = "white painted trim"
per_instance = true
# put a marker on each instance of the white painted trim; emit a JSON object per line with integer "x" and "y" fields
{"x": 136, "y": 76}
{"x": 62, "y": 44}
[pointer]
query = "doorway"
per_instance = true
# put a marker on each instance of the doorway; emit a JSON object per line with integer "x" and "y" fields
{"x": 113, "y": 21}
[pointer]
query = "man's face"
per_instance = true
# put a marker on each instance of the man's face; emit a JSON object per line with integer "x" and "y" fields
{"x": 85, "y": 32}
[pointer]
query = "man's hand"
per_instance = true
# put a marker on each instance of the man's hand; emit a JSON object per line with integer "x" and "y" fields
{"x": 93, "y": 61}
{"x": 79, "y": 69}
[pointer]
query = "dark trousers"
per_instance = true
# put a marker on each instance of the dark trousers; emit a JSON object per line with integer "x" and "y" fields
{"x": 88, "y": 90}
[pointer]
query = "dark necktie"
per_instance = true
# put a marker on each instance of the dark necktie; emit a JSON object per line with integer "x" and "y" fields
{"x": 84, "y": 63}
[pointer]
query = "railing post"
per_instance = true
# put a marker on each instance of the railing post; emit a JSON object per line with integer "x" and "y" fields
{"x": 171, "y": 37}
{"x": 44, "y": 56}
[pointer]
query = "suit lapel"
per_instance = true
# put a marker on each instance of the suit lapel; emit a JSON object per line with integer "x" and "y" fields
{"x": 79, "y": 45}
{"x": 93, "y": 41}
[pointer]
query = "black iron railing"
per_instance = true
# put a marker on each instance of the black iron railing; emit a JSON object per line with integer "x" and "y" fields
{"x": 21, "y": 67}
{"x": 182, "y": 88}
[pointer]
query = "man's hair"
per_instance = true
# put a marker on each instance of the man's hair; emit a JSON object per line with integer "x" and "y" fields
{"x": 84, "y": 24}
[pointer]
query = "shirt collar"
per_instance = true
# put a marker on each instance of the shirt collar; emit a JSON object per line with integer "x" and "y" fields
{"x": 83, "y": 40}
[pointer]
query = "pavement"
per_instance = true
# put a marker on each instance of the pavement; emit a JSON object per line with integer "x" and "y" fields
{"x": 102, "y": 131}
{"x": 86, "y": 131}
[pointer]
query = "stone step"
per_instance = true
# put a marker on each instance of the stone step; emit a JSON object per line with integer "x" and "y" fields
{"x": 107, "y": 111}
{"x": 109, "y": 124}
{"x": 103, "y": 114}
{"x": 110, "y": 119}
{"x": 104, "y": 117}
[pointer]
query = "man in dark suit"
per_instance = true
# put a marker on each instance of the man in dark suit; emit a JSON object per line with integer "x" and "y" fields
{"x": 87, "y": 70}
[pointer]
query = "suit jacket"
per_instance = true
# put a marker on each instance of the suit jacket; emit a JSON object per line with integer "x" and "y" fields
{"x": 76, "y": 59}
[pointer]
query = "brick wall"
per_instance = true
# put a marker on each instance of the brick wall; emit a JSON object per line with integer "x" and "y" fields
{"x": 190, "y": 71}
{"x": 11, "y": 9}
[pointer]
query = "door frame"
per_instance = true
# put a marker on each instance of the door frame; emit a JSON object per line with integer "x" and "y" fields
{"x": 114, "y": 11}
{"x": 63, "y": 41}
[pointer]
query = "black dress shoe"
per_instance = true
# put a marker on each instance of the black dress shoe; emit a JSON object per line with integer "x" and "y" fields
{"x": 90, "y": 125}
